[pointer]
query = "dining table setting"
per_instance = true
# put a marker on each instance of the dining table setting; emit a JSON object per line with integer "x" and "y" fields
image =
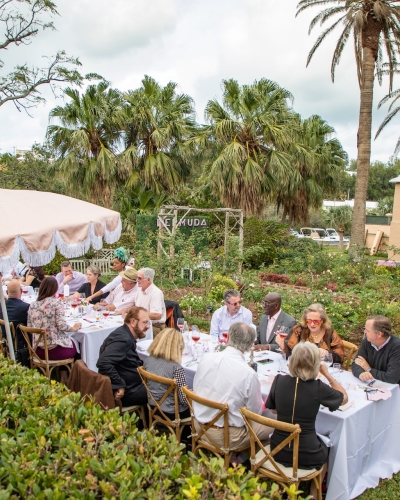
{"x": 362, "y": 434}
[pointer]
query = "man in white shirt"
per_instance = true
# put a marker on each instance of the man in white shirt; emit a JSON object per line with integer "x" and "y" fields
{"x": 230, "y": 313}
{"x": 69, "y": 277}
{"x": 226, "y": 377}
{"x": 123, "y": 297}
{"x": 151, "y": 298}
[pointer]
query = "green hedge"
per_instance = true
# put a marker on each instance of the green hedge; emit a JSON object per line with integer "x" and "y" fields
{"x": 53, "y": 446}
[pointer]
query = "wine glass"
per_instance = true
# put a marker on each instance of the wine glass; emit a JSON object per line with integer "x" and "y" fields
{"x": 36, "y": 292}
{"x": 283, "y": 331}
{"x": 328, "y": 360}
{"x": 82, "y": 296}
{"x": 225, "y": 336}
{"x": 106, "y": 314}
{"x": 195, "y": 338}
{"x": 60, "y": 296}
{"x": 74, "y": 305}
{"x": 180, "y": 322}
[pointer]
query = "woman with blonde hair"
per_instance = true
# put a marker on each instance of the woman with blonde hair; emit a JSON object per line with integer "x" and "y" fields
{"x": 165, "y": 357}
{"x": 297, "y": 399}
{"x": 315, "y": 327}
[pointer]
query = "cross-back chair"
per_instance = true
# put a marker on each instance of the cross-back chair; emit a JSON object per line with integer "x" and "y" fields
{"x": 3, "y": 341}
{"x": 263, "y": 462}
{"x": 46, "y": 366}
{"x": 349, "y": 350}
{"x": 156, "y": 414}
{"x": 201, "y": 437}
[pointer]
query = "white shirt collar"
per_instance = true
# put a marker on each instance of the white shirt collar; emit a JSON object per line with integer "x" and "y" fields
{"x": 382, "y": 346}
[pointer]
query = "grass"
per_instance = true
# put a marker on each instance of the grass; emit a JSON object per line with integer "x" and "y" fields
{"x": 388, "y": 489}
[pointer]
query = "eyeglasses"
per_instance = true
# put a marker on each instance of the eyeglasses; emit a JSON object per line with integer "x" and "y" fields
{"x": 266, "y": 303}
{"x": 314, "y": 321}
{"x": 234, "y": 304}
{"x": 139, "y": 278}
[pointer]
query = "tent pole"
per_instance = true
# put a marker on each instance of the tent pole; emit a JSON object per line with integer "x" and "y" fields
{"x": 6, "y": 323}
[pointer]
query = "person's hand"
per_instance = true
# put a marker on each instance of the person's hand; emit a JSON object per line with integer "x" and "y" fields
{"x": 76, "y": 327}
{"x": 89, "y": 298}
{"x": 262, "y": 347}
{"x": 364, "y": 376}
{"x": 96, "y": 306}
{"x": 281, "y": 343}
{"x": 360, "y": 361}
{"x": 119, "y": 393}
{"x": 67, "y": 279}
{"x": 323, "y": 370}
{"x": 322, "y": 352}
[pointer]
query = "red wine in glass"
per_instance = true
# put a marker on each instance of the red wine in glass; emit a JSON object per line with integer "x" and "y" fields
{"x": 195, "y": 337}
{"x": 60, "y": 295}
{"x": 74, "y": 305}
{"x": 283, "y": 334}
{"x": 225, "y": 336}
{"x": 24, "y": 290}
{"x": 106, "y": 314}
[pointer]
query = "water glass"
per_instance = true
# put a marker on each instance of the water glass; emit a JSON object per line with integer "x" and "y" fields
{"x": 336, "y": 368}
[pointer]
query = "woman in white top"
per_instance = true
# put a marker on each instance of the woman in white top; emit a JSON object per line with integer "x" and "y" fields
{"x": 121, "y": 258}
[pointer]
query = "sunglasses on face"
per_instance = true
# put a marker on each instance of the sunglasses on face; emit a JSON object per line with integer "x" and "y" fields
{"x": 314, "y": 321}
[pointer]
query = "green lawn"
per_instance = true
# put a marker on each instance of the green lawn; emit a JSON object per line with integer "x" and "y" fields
{"x": 389, "y": 489}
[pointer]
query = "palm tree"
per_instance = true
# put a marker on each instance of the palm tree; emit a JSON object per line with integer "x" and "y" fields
{"x": 248, "y": 133}
{"x": 317, "y": 165}
{"x": 87, "y": 141}
{"x": 157, "y": 122}
{"x": 375, "y": 27}
{"x": 340, "y": 219}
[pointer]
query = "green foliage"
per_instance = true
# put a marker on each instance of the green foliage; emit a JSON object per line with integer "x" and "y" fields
{"x": 54, "y": 267}
{"x": 259, "y": 255}
{"x": 54, "y": 446}
{"x": 259, "y": 238}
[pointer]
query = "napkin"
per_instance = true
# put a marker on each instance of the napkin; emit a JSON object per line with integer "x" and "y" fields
{"x": 379, "y": 394}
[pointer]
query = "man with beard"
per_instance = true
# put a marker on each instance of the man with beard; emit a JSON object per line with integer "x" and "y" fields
{"x": 270, "y": 323}
{"x": 119, "y": 360}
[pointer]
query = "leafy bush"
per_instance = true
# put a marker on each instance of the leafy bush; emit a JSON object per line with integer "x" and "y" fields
{"x": 259, "y": 238}
{"x": 54, "y": 267}
{"x": 53, "y": 446}
{"x": 257, "y": 256}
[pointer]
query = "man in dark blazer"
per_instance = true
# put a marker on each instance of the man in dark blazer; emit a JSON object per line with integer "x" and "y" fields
{"x": 17, "y": 310}
{"x": 271, "y": 322}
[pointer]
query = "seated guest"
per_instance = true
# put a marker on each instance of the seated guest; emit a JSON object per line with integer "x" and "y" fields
{"x": 33, "y": 277}
{"x": 48, "y": 313}
{"x": 93, "y": 285}
{"x": 17, "y": 310}
{"x": 315, "y": 327}
{"x": 152, "y": 299}
{"x": 123, "y": 296}
{"x": 119, "y": 264}
{"x": 296, "y": 400}
{"x": 230, "y": 313}
{"x": 119, "y": 359}
{"x": 270, "y": 323}
{"x": 165, "y": 357}
{"x": 67, "y": 276}
{"x": 18, "y": 271}
{"x": 226, "y": 377}
{"x": 379, "y": 354}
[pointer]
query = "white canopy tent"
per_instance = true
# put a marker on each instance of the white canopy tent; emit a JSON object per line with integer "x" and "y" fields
{"x": 34, "y": 224}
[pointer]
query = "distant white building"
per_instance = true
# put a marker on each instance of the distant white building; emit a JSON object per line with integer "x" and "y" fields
{"x": 349, "y": 203}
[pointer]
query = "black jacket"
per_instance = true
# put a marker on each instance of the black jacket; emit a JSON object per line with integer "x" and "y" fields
{"x": 86, "y": 289}
{"x": 17, "y": 311}
{"x": 119, "y": 360}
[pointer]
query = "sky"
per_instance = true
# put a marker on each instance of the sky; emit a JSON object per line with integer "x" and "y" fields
{"x": 197, "y": 44}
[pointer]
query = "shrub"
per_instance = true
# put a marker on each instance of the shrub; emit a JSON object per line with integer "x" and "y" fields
{"x": 54, "y": 267}
{"x": 275, "y": 278}
{"x": 257, "y": 256}
{"x": 53, "y": 446}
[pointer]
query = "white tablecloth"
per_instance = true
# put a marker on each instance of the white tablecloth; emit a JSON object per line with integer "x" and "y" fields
{"x": 91, "y": 336}
{"x": 364, "y": 437}
{"x": 23, "y": 295}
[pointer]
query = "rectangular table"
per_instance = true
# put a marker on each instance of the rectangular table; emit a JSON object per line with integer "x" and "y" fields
{"x": 364, "y": 437}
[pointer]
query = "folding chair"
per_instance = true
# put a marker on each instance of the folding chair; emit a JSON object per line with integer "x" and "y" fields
{"x": 156, "y": 414}
{"x": 45, "y": 365}
{"x": 264, "y": 464}
{"x": 349, "y": 351}
{"x": 200, "y": 435}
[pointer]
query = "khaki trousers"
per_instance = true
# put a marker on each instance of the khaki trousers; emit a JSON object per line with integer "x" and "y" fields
{"x": 157, "y": 328}
{"x": 239, "y": 437}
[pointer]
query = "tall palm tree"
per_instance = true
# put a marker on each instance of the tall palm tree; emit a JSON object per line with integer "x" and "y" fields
{"x": 375, "y": 25}
{"x": 317, "y": 165}
{"x": 87, "y": 141}
{"x": 249, "y": 133}
{"x": 157, "y": 122}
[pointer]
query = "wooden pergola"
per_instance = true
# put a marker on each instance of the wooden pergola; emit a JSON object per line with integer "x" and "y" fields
{"x": 232, "y": 218}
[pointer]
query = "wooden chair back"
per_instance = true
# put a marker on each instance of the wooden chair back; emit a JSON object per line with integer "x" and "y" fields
{"x": 349, "y": 351}
{"x": 156, "y": 414}
{"x": 263, "y": 462}
{"x": 46, "y": 366}
{"x": 169, "y": 321}
{"x": 3, "y": 341}
{"x": 201, "y": 437}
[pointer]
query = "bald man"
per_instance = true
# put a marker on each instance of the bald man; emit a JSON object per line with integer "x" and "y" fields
{"x": 271, "y": 321}
{"x": 17, "y": 310}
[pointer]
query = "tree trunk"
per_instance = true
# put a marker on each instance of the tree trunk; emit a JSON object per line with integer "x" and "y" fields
{"x": 370, "y": 40}
{"x": 341, "y": 234}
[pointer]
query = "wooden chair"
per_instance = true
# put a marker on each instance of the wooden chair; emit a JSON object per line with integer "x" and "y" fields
{"x": 139, "y": 409}
{"x": 169, "y": 320}
{"x": 264, "y": 464}
{"x": 200, "y": 435}
{"x": 349, "y": 350}
{"x": 156, "y": 414}
{"x": 45, "y": 365}
{"x": 3, "y": 341}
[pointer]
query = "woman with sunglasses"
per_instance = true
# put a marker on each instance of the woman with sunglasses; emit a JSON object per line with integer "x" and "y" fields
{"x": 315, "y": 327}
